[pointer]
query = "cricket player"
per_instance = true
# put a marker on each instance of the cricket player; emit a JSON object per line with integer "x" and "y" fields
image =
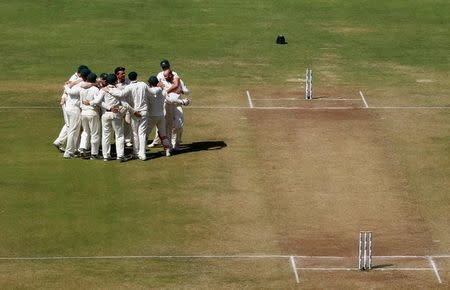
{"x": 137, "y": 93}
{"x": 111, "y": 119}
{"x": 61, "y": 140}
{"x": 122, "y": 82}
{"x": 73, "y": 113}
{"x": 174, "y": 87}
{"x": 90, "y": 118}
{"x": 156, "y": 114}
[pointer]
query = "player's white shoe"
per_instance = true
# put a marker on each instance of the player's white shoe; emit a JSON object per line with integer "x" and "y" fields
{"x": 153, "y": 144}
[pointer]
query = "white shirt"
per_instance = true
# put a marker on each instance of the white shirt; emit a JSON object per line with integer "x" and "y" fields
{"x": 88, "y": 95}
{"x": 109, "y": 100}
{"x": 156, "y": 101}
{"x": 74, "y": 77}
{"x": 124, "y": 84}
{"x": 160, "y": 76}
{"x": 137, "y": 94}
{"x": 73, "y": 96}
{"x": 173, "y": 97}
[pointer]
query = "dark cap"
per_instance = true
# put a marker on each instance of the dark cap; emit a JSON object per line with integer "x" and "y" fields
{"x": 118, "y": 69}
{"x": 82, "y": 66}
{"x": 132, "y": 76}
{"x": 103, "y": 76}
{"x": 153, "y": 81}
{"x": 111, "y": 79}
{"x": 84, "y": 73}
{"x": 165, "y": 64}
{"x": 92, "y": 78}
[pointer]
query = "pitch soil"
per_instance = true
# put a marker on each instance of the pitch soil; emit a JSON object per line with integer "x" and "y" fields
{"x": 331, "y": 174}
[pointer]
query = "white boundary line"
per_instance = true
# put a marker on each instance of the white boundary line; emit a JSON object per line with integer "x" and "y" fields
{"x": 297, "y": 99}
{"x": 148, "y": 257}
{"x": 277, "y": 108}
{"x": 435, "y": 269}
{"x": 217, "y": 257}
{"x": 250, "y": 103}
{"x": 363, "y": 99}
{"x": 30, "y": 107}
{"x": 294, "y": 269}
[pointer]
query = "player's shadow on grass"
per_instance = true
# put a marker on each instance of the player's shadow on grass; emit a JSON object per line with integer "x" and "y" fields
{"x": 200, "y": 146}
{"x": 184, "y": 148}
{"x": 382, "y": 266}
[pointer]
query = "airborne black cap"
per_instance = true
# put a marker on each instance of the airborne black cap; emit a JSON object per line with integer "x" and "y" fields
{"x": 165, "y": 64}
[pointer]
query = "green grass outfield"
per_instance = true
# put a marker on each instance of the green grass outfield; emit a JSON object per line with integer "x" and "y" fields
{"x": 218, "y": 199}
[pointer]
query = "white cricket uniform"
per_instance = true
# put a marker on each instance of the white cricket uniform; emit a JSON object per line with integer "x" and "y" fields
{"x": 174, "y": 114}
{"x": 90, "y": 121}
{"x": 156, "y": 114}
{"x": 178, "y": 115}
{"x": 73, "y": 113}
{"x": 62, "y": 137}
{"x": 160, "y": 76}
{"x": 111, "y": 122}
{"x": 127, "y": 130}
{"x": 137, "y": 94}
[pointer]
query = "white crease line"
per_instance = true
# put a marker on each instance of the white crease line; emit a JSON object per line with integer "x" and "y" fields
{"x": 440, "y": 256}
{"x": 308, "y": 109}
{"x": 250, "y": 103}
{"x": 401, "y": 257}
{"x": 298, "y": 99}
{"x": 294, "y": 269}
{"x": 320, "y": 257}
{"x": 435, "y": 269}
{"x": 412, "y": 107}
{"x": 402, "y": 269}
{"x": 278, "y": 99}
{"x": 335, "y": 99}
{"x": 149, "y": 257}
{"x": 356, "y": 269}
{"x": 327, "y": 269}
{"x": 217, "y": 107}
{"x": 364, "y": 100}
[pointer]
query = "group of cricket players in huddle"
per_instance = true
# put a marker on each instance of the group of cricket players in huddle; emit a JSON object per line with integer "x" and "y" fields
{"x": 113, "y": 105}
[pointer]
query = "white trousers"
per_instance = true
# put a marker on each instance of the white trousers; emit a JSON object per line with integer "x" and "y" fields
{"x": 90, "y": 121}
{"x": 112, "y": 122}
{"x": 73, "y": 130}
{"x": 127, "y": 128}
{"x": 139, "y": 126}
{"x": 174, "y": 123}
{"x": 160, "y": 123}
{"x": 62, "y": 137}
